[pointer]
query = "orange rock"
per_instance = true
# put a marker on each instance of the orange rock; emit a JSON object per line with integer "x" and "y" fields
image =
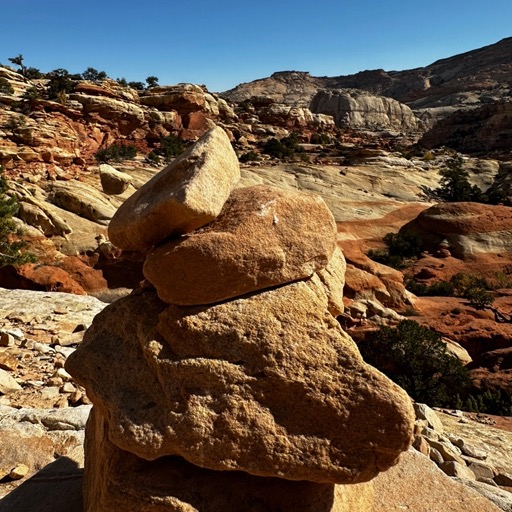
{"x": 263, "y": 237}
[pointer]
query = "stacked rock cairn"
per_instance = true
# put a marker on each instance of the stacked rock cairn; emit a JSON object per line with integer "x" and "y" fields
{"x": 225, "y": 382}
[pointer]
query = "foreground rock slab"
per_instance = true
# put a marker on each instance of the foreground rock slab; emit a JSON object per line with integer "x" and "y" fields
{"x": 263, "y": 237}
{"x": 270, "y": 385}
{"x": 186, "y": 195}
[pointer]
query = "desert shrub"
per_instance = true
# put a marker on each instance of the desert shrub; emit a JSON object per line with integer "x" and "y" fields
{"x": 250, "y": 156}
{"x": 169, "y": 147}
{"x": 464, "y": 283}
{"x": 153, "y": 158}
{"x": 139, "y": 86}
{"x": 116, "y": 153}
{"x": 5, "y": 86}
{"x": 428, "y": 156}
{"x": 12, "y": 249}
{"x": 320, "y": 138}
{"x": 417, "y": 360}
{"x": 284, "y": 148}
{"x": 435, "y": 289}
{"x": 479, "y": 298}
{"x": 491, "y": 402}
{"x": 33, "y": 73}
{"x": 454, "y": 185}
{"x": 94, "y": 75}
{"x": 401, "y": 249}
{"x": 60, "y": 82}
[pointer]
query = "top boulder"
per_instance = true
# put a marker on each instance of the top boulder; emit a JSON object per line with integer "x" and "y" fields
{"x": 189, "y": 193}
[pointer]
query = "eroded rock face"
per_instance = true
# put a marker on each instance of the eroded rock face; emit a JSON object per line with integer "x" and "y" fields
{"x": 221, "y": 387}
{"x": 360, "y": 110}
{"x": 186, "y": 195}
{"x": 263, "y": 237}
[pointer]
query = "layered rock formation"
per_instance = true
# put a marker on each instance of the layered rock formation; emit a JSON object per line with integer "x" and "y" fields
{"x": 228, "y": 393}
{"x": 363, "y": 111}
{"x": 471, "y": 229}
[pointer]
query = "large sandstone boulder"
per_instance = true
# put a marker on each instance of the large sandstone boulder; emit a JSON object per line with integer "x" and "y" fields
{"x": 269, "y": 385}
{"x": 186, "y": 195}
{"x": 173, "y": 484}
{"x": 262, "y": 238}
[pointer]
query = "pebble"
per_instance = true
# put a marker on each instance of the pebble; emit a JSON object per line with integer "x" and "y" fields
{"x": 63, "y": 374}
{"x": 19, "y": 472}
{"x": 6, "y": 339}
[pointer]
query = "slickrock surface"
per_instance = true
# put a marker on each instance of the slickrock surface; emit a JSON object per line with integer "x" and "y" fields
{"x": 230, "y": 378}
{"x": 186, "y": 195}
{"x": 263, "y": 237}
{"x": 417, "y": 485}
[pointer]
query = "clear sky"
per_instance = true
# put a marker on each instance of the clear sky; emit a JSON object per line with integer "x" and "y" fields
{"x": 226, "y": 42}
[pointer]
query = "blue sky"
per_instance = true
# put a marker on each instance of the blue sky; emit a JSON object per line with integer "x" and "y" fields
{"x": 223, "y": 43}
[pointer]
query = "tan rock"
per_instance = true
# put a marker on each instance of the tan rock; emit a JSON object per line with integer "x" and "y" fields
{"x": 263, "y": 237}
{"x": 186, "y": 195}
{"x": 19, "y": 472}
{"x": 331, "y": 280}
{"x": 416, "y": 484}
{"x": 117, "y": 480}
{"x": 269, "y": 385}
{"x": 7, "y": 383}
{"x": 112, "y": 180}
{"x": 82, "y": 199}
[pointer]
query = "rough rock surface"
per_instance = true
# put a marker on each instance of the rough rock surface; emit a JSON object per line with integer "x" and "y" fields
{"x": 229, "y": 396}
{"x": 262, "y": 238}
{"x": 36, "y": 437}
{"x": 173, "y": 484}
{"x": 187, "y": 194}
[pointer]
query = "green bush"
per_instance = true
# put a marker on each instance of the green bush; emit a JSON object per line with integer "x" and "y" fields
{"x": 94, "y": 75}
{"x": 250, "y": 156}
{"x": 320, "y": 138}
{"x": 5, "y": 86}
{"x": 139, "y": 86}
{"x": 284, "y": 148}
{"x": 436, "y": 289}
{"x": 61, "y": 82}
{"x": 12, "y": 249}
{"x": 170, "y": 147}
{"x": 454, "y": 184}
{"x": 416, "y": 359}
{"x": 116, "y": 153}
{"x": 401, "y": 248}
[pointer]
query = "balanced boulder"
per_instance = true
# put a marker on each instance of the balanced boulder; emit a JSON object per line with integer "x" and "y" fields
{"x": 263, "y": 237}
{"x": 187, "y": 194}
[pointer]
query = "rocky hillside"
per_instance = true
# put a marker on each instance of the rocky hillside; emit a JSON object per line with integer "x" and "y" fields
{"x": 465, "y": 82}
